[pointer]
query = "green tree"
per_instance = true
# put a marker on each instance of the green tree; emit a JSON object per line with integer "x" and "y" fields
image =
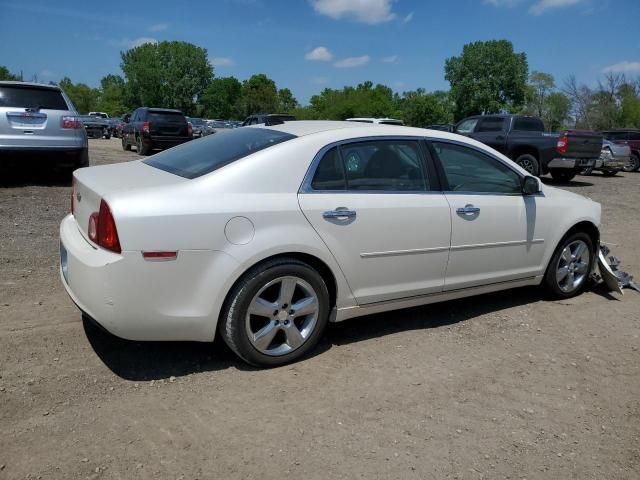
{"x": 629, "y": 106}
{"x": 420, "y": 109}
{"x": 221, "y": 97}
{"x": 83, "y": 96}
{"x": 259, "y": 94}
{"x": 540, "y": 86}
{"x": 557, "y": 111}
{"x": 112, "y": 95}
{"x": 5, "y": 74}
{"x": 364, "y": 100}
{"x": 166, "y": 74}
{"x": 286, "y": 100}
{"x": 487, "y": 77}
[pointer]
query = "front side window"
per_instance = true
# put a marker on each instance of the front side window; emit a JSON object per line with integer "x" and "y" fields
{"x": 468, "y": 170}
{"x": 194, "y": 159}
{"x": 467, "y": 126}
{"x": 384, "y": 165}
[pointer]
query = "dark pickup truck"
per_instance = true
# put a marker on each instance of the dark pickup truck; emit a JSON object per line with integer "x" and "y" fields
{"x": 523, "y": 140}
{"x": 152, "y": 128}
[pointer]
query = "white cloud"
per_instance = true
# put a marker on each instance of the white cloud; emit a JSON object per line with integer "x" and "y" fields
{"x": 390, "y": 59}
{"x": 158, "y": 27}
{"x": 319, "y": 54}
{"x": 351, "y": 62}
{"x": 366, "y": 11}
{"x": 128, "y": 43}
{"x": 542, "y": 6}
{"x": 408, "y": 18}
{"x": 623, "y": 67}
{"x": 319, "y": 80}
{"x": 222, "y": 61}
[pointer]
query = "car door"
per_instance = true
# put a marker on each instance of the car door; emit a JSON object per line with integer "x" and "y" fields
{"x": 497, "y": 233}
{"x": 491, "y": 130}
{"x": 377, "y": 207}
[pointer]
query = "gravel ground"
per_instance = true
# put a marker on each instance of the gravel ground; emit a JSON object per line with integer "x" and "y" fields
{"x": 505, "y": 385}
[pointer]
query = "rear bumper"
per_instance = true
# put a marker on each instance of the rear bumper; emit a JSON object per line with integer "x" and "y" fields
{"x": 165, "y": 142}
{"x": 59, "y": 155}
{"x": 571, "y": 163}
{"x": 137, "y": 299}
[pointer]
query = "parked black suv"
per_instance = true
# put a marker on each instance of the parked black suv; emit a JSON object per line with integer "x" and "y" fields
{"x": 153, "y": 128}
{"x": 268, "y": 119}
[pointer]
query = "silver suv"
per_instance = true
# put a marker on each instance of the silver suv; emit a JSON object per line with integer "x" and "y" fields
{"x": 40, "y": 121}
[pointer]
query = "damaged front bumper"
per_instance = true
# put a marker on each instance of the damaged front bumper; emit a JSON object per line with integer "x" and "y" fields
{"x": 608, "y": 272}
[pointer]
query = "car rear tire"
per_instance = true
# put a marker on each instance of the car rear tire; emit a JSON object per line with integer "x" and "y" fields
{"x": 562, "y": 175}
{"x": 633, "y": 164}
{"x": 529, "y": 163}
{"x": 125, "y": 145}
{"x": 570, "y": 266}
{"x": 142, "y": 149}
{"x": 276, "y": 313}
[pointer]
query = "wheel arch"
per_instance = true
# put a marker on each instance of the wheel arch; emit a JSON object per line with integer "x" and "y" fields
{"x": 585, "y": 226}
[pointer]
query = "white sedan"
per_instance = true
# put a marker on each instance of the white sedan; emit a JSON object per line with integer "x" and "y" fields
{"x": 265, "y": 234}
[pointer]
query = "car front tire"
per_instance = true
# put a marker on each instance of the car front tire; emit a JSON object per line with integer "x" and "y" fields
{"x": 633, "y": 164}
{"x": 571, "y": 264}
{"x": 276, "y": 313}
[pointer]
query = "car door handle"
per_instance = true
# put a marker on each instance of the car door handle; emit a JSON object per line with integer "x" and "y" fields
{"x": 339, "y": 214}
{"x": 468, "y": 210}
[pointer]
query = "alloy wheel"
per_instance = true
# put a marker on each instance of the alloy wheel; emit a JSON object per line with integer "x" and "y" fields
{"x": 527, "y": 165}
{"x": 573, "y": 265}
{"x": 282, "y": 316}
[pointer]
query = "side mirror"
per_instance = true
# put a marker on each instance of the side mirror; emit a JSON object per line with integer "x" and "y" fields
{"x": 530, "y": 185}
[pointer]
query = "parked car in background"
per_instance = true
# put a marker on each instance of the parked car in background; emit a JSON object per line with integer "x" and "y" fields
{"x": 111, "y": 122}
{"x": 613, "y": 158}
{"x": 631, "y": 137}
{"x": 523, "y": 140}
{"x": 96, "y": 127}
{"x": 124, "y": 119}
{"x": 39, "y": 121}
{"x": 380, "y": 121}
{"x": 155, "y": 128}
{"x": 443, "y": 127}
{"x": 198, "y": 127}
{"x": 268, "y": 119}
{"x": 263, "y": 235}
{"x": 99, "y": 114}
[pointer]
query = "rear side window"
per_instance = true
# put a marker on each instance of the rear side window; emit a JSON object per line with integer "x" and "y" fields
{"x": 528, "y": 124}
{"x": 196, "y": 158}
{"x": 616, "y": 136}
{"x": 634, "y": 136}
{"x": 329, "y": 174}
{"x": 31, "y": 97}
{"x": 166, "y": 117}
{"x": 491, "y": 124}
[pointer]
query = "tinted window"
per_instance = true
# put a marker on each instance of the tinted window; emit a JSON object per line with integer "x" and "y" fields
{"x": 616, "y": 136}
{"x": 193, "y": 159}
{"x": 166, "y": 117}
{"x": 468, "y": 170}
{"x": 392, "y": 165}
{"x": 467, "y": 126}
{"x": 528, "y": 124}
{"x": 391, "y": 122}
{"x": 491, "y": 124}
{"x": 635, "y": 136}
{"x": 31, "y": 97}
{"x": 329, "y": 175}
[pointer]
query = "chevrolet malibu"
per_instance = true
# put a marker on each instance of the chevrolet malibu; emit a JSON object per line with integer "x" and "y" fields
{"x": 265, "y": 234}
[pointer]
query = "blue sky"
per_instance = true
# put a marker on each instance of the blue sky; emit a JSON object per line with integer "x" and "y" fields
{"x": 307, "y": 45}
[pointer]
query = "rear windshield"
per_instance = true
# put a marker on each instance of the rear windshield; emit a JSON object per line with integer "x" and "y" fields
{"x": 167, "y": 117}
{"x": 199, "y": 157}
{"x": 31, "y": 97}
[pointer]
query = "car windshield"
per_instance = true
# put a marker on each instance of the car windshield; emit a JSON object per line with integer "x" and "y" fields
{"x": 31, "y": 97}
{"x": 196, "y": 158}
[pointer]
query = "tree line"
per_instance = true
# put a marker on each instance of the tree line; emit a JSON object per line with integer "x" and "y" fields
{"x": 487, "y": 77}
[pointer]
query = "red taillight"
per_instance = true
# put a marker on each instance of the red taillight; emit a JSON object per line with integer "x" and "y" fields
{"x": 102, "y": 229}
{"x": 73, "y": 194}
{"x": 189, "y": 129}
{"x": 146, "y": 127}
{"x": 70, "y": 122}
{"x": 563, "y": 144}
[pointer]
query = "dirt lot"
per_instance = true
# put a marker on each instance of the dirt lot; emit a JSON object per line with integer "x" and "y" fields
{"x": 500, "y": 386}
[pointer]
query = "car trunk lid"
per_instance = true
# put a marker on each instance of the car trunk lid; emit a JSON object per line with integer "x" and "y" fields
{"x": 91, "y": 185}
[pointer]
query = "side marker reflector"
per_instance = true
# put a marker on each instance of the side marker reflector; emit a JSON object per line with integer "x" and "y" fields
{"x": 160, "y": 255}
